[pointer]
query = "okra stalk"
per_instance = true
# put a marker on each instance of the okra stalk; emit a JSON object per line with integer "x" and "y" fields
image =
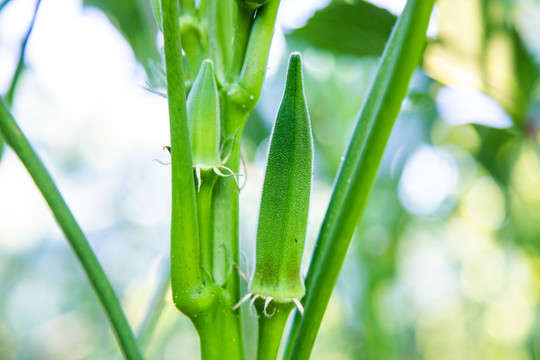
{"x": 186, "y": 274}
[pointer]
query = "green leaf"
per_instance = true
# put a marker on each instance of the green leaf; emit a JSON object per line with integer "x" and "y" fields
{"x": 343, "y": 28}
{"x": 135, "y": 21}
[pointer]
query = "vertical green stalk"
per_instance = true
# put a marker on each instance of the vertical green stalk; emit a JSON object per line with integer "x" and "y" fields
{"x": 254, "y": 68}
{"x": 358, "y": 170}
{"x": 271, "y": 328}
{"x": 207, "y": 294}
{"x": 242, "y": 26}
{"x": 219, "y": 330}
{"x": 186, "y": 274}
{"x": 217, "y": 17}
{"x": 99, "y": 281}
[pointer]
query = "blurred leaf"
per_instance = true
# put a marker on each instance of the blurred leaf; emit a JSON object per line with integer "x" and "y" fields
{"x": 135, "y": 21}
{"x": 343, "y": 28}
{"x": 478, "y": 47}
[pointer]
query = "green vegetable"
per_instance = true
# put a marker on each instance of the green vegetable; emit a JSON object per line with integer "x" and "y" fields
{"x": 284, "y": 209}
{"x": 203, "y": 118}
{"x": 204, "y": 123}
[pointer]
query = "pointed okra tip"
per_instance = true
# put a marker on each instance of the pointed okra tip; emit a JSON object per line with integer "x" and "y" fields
{"x": 206, "y": 72}
{"x": 294, "y": 71}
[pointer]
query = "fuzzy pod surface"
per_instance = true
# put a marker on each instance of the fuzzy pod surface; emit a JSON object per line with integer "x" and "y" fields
{"x": 204, "y": 118}
{"x": 281, "y": 230}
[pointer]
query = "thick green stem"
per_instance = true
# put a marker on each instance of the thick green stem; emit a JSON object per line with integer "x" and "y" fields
{"x": 271, "y": 327}
{"x": 358, "y": 170}
{"x": 242, "y": 27}
{"x": 256, "y": 58}
{"x": 186, "y": 274}
{"x": 18, "y": 142}
{"x": 219, "y": 329}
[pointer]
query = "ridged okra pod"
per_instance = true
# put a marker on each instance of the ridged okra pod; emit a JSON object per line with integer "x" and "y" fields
{"x": 203, "y": 112}
{"x": 203, "y": 118}
{"x": 284, "y": 209}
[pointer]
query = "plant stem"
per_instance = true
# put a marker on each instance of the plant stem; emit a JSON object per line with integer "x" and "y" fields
{"x": 219, "y": 329}
{"x": 271, "y": 328}
{"x": 20, "y": 64}
{"x": 242, "y": 27}
{"x": 358, "y": 170}
{"x": 258, "y": 48}
{"x": 18, "y": 142}
{"x": 186, "y": 276}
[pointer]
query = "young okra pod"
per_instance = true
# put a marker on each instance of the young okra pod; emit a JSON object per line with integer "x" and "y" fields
{"x": 204, "y": 124}
{"x": 284, "y": 208}
{"x": 203, "y": 118}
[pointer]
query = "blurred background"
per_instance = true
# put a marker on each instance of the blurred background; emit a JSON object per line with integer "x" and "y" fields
{"x": 445, "y": 263}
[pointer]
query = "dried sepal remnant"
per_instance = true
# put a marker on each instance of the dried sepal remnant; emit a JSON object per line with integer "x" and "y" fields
{"x": 284, "y": 209}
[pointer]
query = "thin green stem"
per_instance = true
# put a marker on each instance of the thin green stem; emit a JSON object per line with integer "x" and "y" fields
{"x": 186, "y": 275}
{"x": 256, "y": 58}
{"x": 18, "y": 142}
{"x": 271, "y": 327}
{"x": 20, "y": 64}
{"x": 380, "y": 109}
